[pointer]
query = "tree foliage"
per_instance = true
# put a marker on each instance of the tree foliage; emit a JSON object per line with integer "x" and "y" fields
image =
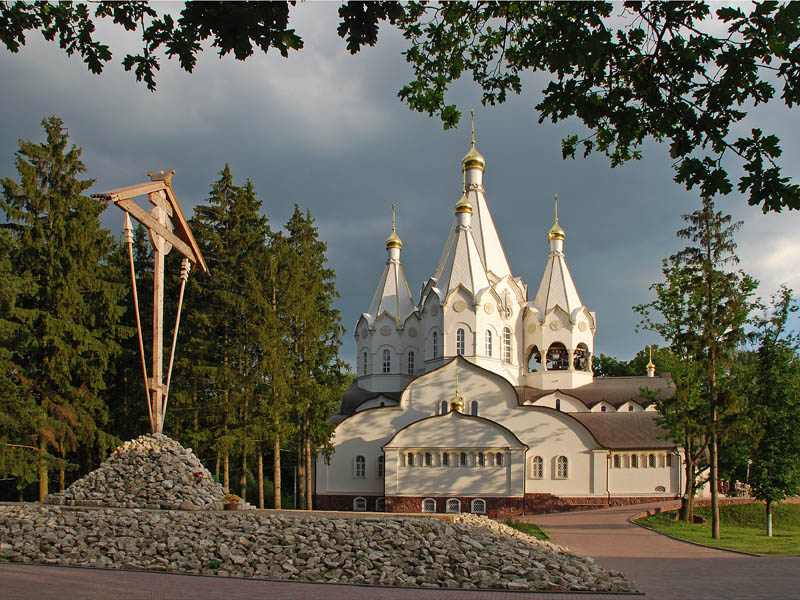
{"x": 631, "y": 72}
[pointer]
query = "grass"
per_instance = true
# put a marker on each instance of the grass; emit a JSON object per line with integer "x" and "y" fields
{"x": 742, "y": 527}
{"x": 528, "y": 528}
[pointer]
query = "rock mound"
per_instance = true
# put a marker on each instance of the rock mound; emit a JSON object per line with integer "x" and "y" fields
{"x": 152, "y": 471}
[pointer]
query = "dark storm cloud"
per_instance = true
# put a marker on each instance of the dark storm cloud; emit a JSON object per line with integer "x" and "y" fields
{"x": 325, "y": 130}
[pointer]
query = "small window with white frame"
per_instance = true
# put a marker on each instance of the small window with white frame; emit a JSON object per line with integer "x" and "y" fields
{"x": 429, "y": 505}
{"x": 537, "y": 467}
{"x": 428, "y": 459}
{"x": 435, "y": 343}
{"x": 360, "y": 504}
{"x": 410, "y": 459}
{"x": 364, "y": 358}
{"x": 498, "y": 459}
{"x": 462, "y": 459}
{"x": 460, "y": 341}
{"x": 387, "y": 361}
{"x": 381, "y": 466}
{"x": 410, "y": 362}
{"x": 616, "y": 461}
{"x": 380, "y": 504}
{"x": 360, "y": 467}
{"x": 478, "y": 506}
{"x": 562, "y": 467}
{"x": 506, "y": 345}
{"x": 488, "y": 340}
{"x": 453, "y": 505}
{"x": 474, "y": 408}
{"x": 445, "y": 460}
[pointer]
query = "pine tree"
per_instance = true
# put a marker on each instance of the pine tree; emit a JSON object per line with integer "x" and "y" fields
{"x": 73, "y": 314}
{"x": 775, "y": 470}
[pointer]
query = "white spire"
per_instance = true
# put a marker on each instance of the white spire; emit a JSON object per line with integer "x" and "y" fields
{"x": 393, "y": 295}
{"x": 557, "y": 287}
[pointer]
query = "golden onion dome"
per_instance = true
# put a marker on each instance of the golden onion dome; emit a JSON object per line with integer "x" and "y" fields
{"x": 473, "y": 159}
{"x": 457, "y": 403}
{"x": 394, "y": 241}
{"x": 555, "y": 233}
{"x": 463, "y": 205}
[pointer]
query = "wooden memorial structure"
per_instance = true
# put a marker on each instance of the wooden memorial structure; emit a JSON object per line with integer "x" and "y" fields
{"x": 168, "y": 229}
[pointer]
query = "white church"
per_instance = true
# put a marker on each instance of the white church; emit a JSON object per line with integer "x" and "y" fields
{"x": 481, "y": 398}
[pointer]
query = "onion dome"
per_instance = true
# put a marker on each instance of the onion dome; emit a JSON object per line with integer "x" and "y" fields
{"x": 473, "y": 159}
{"x": 463, "y": 205}
{"x": 394, "y": 241}
{"x": 457, "y": 403}
{"x": 556, "y": 233}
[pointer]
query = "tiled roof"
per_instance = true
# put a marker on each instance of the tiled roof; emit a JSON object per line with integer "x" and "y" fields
{"x": 625, "y": 430}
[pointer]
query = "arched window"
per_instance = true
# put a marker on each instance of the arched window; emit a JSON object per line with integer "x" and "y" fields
{"x": 365, "y": 362}
{"x": 462, "y": 459}
{"x": 537, "y": 467}
{"x": 498, "y": 459}
{"x": 410, "y": 362}
{"x": 651, "y": 460}
{"x": 558, "y": 403}
{"x": 669, "y": 460}
{"x": 428, "y": 459}
{"x": 634, "y": 461}
{"x": 360, "y": 467}
{"x": 488, "y": 340}
{"x": 380, "y": 504}
{"x": 506, "y": 345}
{"x": 580, "y": 360}
{"x": 435, "y": 342}
{"x": 661, "y": 488}
{"x": 429, "y": 505}
{"x": 481, "y": 460}
{"x": 444, "y": 407}
{"x": 445, "y": 460}
{"x": 557, "y": 357}
{"x": 616, "y": 461}
{"x": 474, "y": 408}
{"x": 460, "y": 341}
{"x": 534, "y": 360}
{"x": 359, "y": 504}
{"x": 478, "y": 506}
{"x": 387, "y": 361}
{"x": 562, "y": 470}
{"x": 410, "y": 459}
{"x": 630, "y": 408}
{"x": 381, "y": 465}
{"x": 454, "y": 505}
{"x": 603, "y": 408}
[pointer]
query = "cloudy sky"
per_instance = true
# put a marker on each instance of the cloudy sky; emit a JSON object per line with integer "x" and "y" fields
{"x": 325, "y": 130}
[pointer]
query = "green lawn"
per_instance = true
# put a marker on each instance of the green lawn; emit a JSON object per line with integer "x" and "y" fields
{"x": 528, "y": 528}
{"x": 743, "y": 527}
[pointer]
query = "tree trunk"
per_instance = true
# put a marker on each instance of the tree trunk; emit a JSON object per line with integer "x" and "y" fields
{"x": 687, "y": 501}
{"x": 769, "y": 518}
{"x": 276, "y": 472}
{"x": 714, "y": 474}
{"x": 309, "y": 475}
{"x": 301, "y": 473}
{"x": 61, "y": 470}
{"x": 42, "y": 470}
{"x": 243, "y": 477}
{"x": 216, "y": 467}
{"x": 260, "y": 479}
{"x": 21, "y": 497}
{"x": 225, "y": 473}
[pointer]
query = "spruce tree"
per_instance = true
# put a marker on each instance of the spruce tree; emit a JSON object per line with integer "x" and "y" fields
{"x": 73, "y": 314}
{"x": 315, "y": 337}
{"x": 723, "y": 301}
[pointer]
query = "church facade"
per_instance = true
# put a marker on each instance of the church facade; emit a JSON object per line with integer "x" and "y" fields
{"x": 480, "y": 397}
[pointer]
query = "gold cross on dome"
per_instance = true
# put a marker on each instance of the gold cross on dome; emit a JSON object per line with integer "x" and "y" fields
{"x": 472, "y": 112}
{"x": 394, "y": 217}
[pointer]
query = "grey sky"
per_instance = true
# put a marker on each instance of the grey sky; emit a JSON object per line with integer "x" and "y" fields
{"x": 325, "y": 130}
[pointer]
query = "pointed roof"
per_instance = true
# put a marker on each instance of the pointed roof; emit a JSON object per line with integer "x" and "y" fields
{"x": 392, "y": 296}
{"x": 461, "y": 264}
{"x": 486, "y": 237}
{"x": 557, "y": 287}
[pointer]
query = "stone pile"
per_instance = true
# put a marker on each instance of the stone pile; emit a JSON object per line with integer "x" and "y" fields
{"x": 468, "y": 553}
{"x": 152, "y": 471}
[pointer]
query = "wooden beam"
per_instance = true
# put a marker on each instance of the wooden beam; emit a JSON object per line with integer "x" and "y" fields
{"x": 145, "y": 219}
{"x": 182, "y": 229}
{"x": 131, "y": 191}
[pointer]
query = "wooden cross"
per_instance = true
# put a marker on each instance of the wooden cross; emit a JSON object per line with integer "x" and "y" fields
{"x": 168, "y": 229}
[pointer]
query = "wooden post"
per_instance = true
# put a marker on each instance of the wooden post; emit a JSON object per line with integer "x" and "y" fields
{"x": 160, "y": 249}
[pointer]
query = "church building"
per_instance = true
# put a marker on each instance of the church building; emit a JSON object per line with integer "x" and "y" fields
{"x": 479, "y": 397}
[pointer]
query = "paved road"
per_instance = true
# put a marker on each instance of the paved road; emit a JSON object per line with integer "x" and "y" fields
{"x": 667, "y": 569}
{"x": 40, "y": 582}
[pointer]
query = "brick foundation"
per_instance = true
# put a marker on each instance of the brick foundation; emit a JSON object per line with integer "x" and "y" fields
{"x": 496, "y": 507}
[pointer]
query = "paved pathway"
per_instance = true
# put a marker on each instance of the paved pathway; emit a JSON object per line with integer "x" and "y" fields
{"x": 667, "y": 569}
{"x": 40, "y": 582}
